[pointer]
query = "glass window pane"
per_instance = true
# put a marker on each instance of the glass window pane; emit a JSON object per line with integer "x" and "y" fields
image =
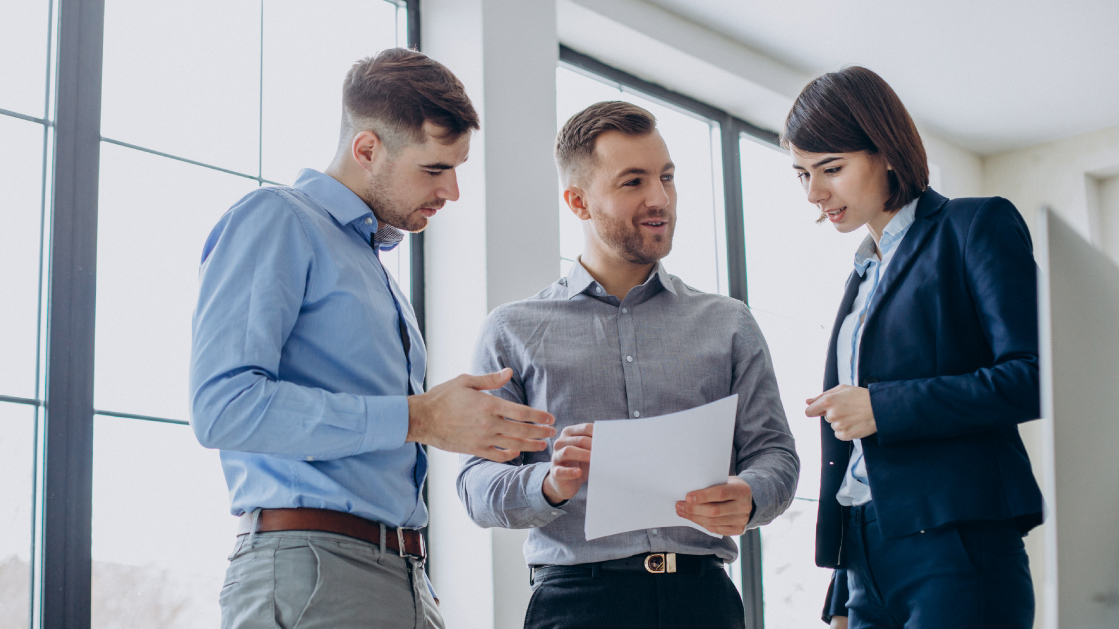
{"x": 23, "y": 49}
{"x": 17, "y": 448}
{"x": 21, "y": 180}
{"x": 316, "y": 42}
{"x": 793, "y": 586}
{"x": 699, "y": 244}
{"x": 149, "y": 244}
{"x": 161, "y": 526}
{"x": 184, "y": 78}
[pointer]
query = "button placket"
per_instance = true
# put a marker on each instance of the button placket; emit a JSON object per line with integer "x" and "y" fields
{"x": 627, "y": 341}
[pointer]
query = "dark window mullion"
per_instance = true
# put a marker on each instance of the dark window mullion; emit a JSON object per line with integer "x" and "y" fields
{"x": 68, "y": 465}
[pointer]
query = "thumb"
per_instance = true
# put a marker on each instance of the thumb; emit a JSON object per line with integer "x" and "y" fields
{"x": 494, "y": 380}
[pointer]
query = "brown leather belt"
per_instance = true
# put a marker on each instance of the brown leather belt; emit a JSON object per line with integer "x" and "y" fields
{"x": 405, "y": 542}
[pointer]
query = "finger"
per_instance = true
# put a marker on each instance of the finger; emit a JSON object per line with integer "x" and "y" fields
{"x": 578, "y": 430}
{"x": 488, "y": 381}
{"x": 517, "y": 445}
{"x": 524, "y": 431}
{"x": 564, "y": 473}
{"x": 813, "y": 399}
{"x": 571, "y": 455}
{"x": 717, "y": 527}
{"x": 816, "y": 408}
{"x": 715, "y": 493}
{"x": 522, "y": 413}
{"x": 717, "y": 512}
{"x": 577, "y": 442}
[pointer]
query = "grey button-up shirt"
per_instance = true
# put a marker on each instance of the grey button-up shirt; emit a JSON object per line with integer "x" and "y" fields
{"x": 585, "y": 356}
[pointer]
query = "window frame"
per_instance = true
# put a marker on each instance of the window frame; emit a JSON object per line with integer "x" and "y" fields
{"x": 61, "y": 563}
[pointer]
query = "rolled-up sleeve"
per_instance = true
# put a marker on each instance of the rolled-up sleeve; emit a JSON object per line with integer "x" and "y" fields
{"x": 256, "y": 269}
{"x": 765, "y": 455}
{"x": 507, "y": 495}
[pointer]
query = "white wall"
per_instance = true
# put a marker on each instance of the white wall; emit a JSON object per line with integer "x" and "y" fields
{"x": 1055, "y": 174}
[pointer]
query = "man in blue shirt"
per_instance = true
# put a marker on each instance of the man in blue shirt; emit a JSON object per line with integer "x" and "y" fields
{"x": 307, "y": 366}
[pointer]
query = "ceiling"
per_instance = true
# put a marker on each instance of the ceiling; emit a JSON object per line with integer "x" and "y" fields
{"x": 988, "y": 75}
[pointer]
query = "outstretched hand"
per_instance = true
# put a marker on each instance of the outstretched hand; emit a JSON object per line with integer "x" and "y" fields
{"x": 456, "y": 416}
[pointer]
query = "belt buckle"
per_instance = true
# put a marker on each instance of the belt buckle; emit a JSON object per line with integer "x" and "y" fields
{"x": 402, "y": 549}
{"x": 660, "y": 563}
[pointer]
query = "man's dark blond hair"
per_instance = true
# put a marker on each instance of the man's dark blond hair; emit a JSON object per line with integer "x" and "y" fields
{"x": 575, "y": 144}
{"x": 393, "y": 93}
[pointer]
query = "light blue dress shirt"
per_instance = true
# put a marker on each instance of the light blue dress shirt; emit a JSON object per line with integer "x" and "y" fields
{"x": 855, "y": 489}
{"x": 298, "y": 372}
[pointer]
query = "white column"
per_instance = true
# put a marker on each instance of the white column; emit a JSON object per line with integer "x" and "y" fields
{"x": 498, "y": 243}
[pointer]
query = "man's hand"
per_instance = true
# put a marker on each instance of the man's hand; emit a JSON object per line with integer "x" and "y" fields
{"x": 571, "y": 463}
{"x": 838, "y": 622}
{"x": 456, "y": 416}
{"x": 722, "y": 509}
{"x": 847, "y": 409}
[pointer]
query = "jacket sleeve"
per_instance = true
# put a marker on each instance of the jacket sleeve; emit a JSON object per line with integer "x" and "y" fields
{"x": 507, "y": 495}
{"x": 1001, "y": 275}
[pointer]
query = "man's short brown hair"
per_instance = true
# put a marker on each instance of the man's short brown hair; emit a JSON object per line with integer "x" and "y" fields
{"x": 576, "y": 141}
{"x": 393, "y": 93}
{"x": 856, "y": 110}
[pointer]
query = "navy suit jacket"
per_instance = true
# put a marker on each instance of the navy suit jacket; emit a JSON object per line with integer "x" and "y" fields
{"x": 949, "y": 354}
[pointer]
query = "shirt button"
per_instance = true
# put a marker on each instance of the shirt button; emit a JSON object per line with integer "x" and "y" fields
{"x": 625, "y": 311}
{"x": 637, "y": 413}
{"x": 654, "y": 531}
{"x": 368, "y": 220}
{"x": 629, "y": 359}
{"x": 310, "y": 458}
{"x": 598, "y": 289}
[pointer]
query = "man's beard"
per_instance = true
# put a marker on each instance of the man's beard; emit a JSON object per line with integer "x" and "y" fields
{"x": 389, "y": 210}
{"x": 627, "y": 239}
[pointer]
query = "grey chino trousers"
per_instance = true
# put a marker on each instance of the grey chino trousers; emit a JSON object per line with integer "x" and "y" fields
{"x": 312, "y": 580}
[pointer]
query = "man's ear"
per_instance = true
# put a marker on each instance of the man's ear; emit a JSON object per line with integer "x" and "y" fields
{"x": 367, "y": 149}
{"x": 576, "y": 200}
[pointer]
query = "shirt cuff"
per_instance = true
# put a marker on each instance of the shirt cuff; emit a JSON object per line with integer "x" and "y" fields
{"x": 543, "y": 511}
{"x": 386, "y": 423}
{"x": 763, "y": 499}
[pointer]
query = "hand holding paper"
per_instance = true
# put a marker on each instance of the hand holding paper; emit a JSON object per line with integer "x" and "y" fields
{"x": 724, "y": 509}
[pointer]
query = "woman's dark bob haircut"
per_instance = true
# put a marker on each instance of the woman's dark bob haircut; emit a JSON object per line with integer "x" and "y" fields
{"x": 855, "y": 110}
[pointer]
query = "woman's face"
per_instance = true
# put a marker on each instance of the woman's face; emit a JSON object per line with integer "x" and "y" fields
{"x": 850, "y": 189}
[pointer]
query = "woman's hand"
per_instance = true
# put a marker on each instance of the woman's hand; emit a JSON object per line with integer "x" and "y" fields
{"x": 847, "y": 409}
{"x": 838, "y": 622}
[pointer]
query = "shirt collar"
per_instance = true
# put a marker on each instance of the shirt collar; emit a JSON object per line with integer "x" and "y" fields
{"x": 579, "y": 280}
{"x": 891, "y": 236}
{"x": 341, "y": 202}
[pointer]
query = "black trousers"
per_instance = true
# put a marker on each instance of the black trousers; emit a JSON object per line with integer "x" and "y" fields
{"x": 579, "y": 597}
{"x": 970, "y": 575}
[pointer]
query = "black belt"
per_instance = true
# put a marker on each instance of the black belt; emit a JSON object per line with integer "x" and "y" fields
{"x": 651, "y": 563}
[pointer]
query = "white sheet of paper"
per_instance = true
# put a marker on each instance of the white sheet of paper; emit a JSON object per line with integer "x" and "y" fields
{"x": 640, "y": 468}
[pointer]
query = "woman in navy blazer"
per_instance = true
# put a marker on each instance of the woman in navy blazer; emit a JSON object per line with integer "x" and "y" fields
{"x": 926, "y": 489}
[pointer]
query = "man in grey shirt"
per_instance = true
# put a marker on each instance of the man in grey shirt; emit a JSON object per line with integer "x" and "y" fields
{"x": 619, "y": 337}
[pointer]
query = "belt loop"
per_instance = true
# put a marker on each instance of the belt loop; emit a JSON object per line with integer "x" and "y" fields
{"x": 531, "y": 576}
{"x": 255, "y": 519}
{"x": 596, "y": 570}
{"x": 384, "y": 540}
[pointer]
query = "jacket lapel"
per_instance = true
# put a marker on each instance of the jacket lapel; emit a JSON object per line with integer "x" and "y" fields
{"x": 831, "y": 369}
{"x": 914, "y": 241}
